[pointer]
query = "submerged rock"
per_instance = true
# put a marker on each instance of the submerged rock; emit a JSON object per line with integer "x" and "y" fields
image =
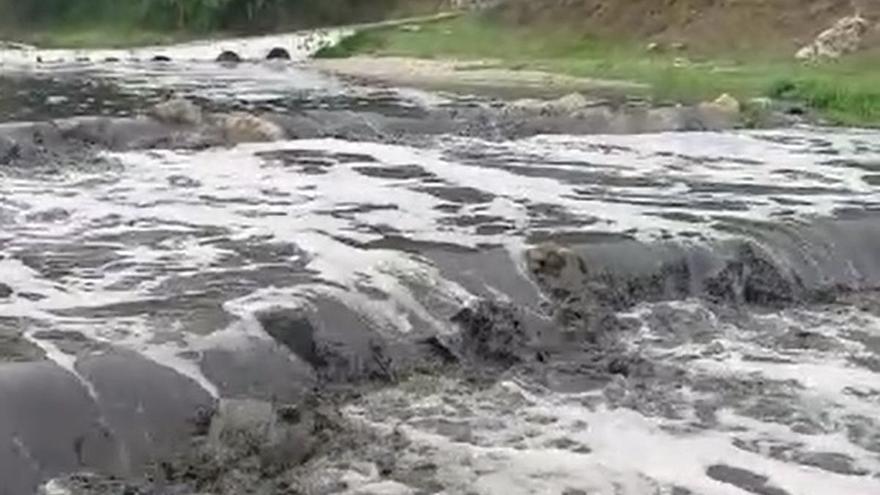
{"x": 844, "y": 37}
{"x": 5, "y": 291}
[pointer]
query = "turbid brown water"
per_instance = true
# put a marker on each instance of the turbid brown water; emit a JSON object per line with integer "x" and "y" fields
{"x": 424, "y": 293}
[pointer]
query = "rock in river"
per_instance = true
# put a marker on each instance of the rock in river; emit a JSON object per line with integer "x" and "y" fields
{"x": 177, "y": 111}
{"x": 240, "y": 127}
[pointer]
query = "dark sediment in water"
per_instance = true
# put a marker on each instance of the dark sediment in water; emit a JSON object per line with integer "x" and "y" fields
{"x": 255, "y": 407}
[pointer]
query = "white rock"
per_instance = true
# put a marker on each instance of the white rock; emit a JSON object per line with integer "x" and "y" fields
{"x": 722, "y": 113}
{"x": 240, "y": 127}
{"x": 844, "y": 37}
{"x": 177, "y": 111}
{"x": 727, "y": 103}
{"x": 566, "y": 105}
{"x": 570, "y": 103}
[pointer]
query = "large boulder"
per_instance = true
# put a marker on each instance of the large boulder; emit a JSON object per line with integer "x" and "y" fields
{"x": 228, "y": 128}
{"x": 722, "y": 113}
{"x": 844, "y": 37}
{"x": 178, "y": 111}
{"x": 240, "y": 127}
{"x": 727, "y": 103}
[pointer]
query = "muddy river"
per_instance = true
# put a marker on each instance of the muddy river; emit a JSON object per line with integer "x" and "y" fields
{"x": 421, "y": 293}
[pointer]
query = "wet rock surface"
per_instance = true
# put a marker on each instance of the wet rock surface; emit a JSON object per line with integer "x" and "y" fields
{"x": 279, "y": 282}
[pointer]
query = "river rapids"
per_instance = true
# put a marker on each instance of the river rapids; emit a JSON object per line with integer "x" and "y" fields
{"x": 415, "y": 294}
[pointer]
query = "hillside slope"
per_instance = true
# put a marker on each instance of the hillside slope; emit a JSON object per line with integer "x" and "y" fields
{"x": 771, "y": 26}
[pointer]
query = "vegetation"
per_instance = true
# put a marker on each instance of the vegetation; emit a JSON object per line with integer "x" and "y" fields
{"x": 103, "y": 22}
{"x": 847, "y": 91}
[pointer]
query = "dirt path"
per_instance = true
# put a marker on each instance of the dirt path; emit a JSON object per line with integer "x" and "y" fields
{"x": 478, "y": 76}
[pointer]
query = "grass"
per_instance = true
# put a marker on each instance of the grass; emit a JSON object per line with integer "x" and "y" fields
{"x": 845, "y": 92}
{"x": 100, "y": 36}
{"x": 124, "y": 34}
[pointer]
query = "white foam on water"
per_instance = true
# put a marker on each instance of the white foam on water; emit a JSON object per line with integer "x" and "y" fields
{"x": 789, "y": 162}
{"x": 512, "y": 450}
{"x": 261, "y": 194}
{"x": 513, "y": 445}
{"x": 55, "y": 487}
{"x": 247, "y": 194}
{"x": 193, "y": 72}
{"x": 300, "y": 45}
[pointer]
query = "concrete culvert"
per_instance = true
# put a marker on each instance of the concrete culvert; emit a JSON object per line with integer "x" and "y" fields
{"x": 228, "y": 57}
{"x": 278, "y": 53}
{"x": 161, "y": 58}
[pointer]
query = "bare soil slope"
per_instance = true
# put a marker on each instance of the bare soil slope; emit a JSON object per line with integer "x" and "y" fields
{"x": 778, "y": 26}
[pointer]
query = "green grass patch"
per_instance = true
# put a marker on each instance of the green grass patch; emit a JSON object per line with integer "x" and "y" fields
{"x": 101, "y": 36}
{"x": 853, "y": 101}
{"x": 846, "y": 92}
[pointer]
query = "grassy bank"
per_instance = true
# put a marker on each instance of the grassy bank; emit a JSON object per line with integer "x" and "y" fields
{"x": 847, "y": 92}
{"x": 101, "y": 36}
